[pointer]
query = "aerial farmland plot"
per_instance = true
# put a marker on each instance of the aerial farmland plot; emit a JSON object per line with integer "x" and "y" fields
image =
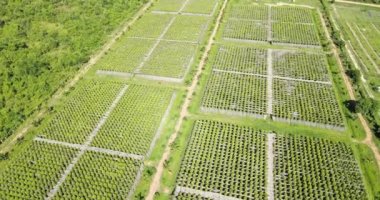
{"x": 202, "y": 99}
{"x": 164, "y": 43}
{"x": 228, "y": 161}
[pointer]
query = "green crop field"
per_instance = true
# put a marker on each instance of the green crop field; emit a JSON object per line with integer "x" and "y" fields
{"x": 195, "y": 99}
{"x": 233, "y": 161}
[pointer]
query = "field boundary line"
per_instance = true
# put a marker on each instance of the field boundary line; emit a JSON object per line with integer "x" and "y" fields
{"x": 270, "y": 178}
{"x": 168, "y": 40}
{"x": 160, "y": 12}
{"x": 366, "y": 40}
{"x": 95, "y": 149}
{"x": 160, "y": 78}
{"x": 211, "y": 195}
{"x": 158, "y": 40}
{"x": 374, "y": 26}
{"x": 155, "y": 183}
{"x": 162, "y": 123}
{"x": 269, "y": 34}
{"x": 114, "y": 73}
{"x": 136, "y": 181}
{"x": 363, "y": 48}
{"x": 231, "y": 112}
{"x": 37, "y": 115}
{"x": 273, "y": 76}
{"x": 86, "y": 144}
{"x": 269, "y": 83}
{"x": 358, "y": 3}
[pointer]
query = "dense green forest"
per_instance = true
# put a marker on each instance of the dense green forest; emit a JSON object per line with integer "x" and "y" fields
{"x": 43, "y": 43}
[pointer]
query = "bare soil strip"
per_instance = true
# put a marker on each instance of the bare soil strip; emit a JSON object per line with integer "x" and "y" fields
{"x": 177, "y": 13}
{"x": 273, "y": 76}
{"x": 209, "y": 195}
{"x": 95, "y": 149}
{"x": 269, "y": 83}
{"x": 270, "y": 154}
{"x": 358, "y": 3}
{"x": 87, "y": 143}
{"x": 184, "y": 111}
{"x": 24, "y": 128}
{"x": 166, "y": 40}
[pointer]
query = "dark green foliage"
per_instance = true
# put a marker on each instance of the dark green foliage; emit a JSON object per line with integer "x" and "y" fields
{"x": 43, "y": 43}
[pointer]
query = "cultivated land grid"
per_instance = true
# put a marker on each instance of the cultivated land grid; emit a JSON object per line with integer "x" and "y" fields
{"x": 174, "y": 29}
{"x": 279, "y": 24}
{"x": 317, "y": 169}
{"x": 303, "y": 167}
{"x": 75, "y": 164}
{"x": 300, "y": 92}
{"x": 225, "y": 159}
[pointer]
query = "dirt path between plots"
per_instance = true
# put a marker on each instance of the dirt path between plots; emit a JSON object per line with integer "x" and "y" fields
{"x": 358, "y": 3}
{"x": 40, "y": 114}
{"x": 368, "y": 140}
{"x": 155, "y": 184}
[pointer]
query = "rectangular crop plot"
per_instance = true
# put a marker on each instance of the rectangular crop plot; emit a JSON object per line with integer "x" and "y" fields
{"x": 246, "y": 30}
{"x": 241, "y": 59}
{"x": 225, "y": 159}
{"x": 200, "y": 6}
{"x": 169, "y": 5}
{"x": 249, "y": 12}
{"x": 131, "y": 126}
{"x": 188, "y": 28}
{"x": 150, "y": 26}
{"x": 310, "y": 168}
{"x": 100, "y": 176}
{"x": 292, "y": 14}
{"x": 302, "y": 34}
{"x": 309, "y": 103}
{"x": 78, "y": 116}
{"x": 300, "y": 65}
{"x": 126, "y": 55}
{"x": 35, "y": 172}
{"x": 236, "y": 94}
{"x": 170, "y": 59}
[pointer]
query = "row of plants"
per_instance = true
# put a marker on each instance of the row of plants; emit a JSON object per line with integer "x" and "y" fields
{"x": 170, "y": 59}
{"x": 316, "y": 168}
{"x": 303, "y": 34}
{"x": 246, "y": 30}
{"x": 235, "y": 93}
{"x": 149, "y": 26}
{"x": 74, "y": 119}
{"x": 133, "y": 123}
{"x": 225, "y": 159}
{"x": 35, "y": 172}
{"x": 241, "y": 59}
{"x": 300, "y": 65}
{"x": 188, "y": 28}
{"x": 292, "y": 14}
{"x": 200, "y": 6}
{"x": 304, "y": 101}
{"x": 99, "y": 176}
{"x": 222, "y": 158}
{"x": 249, "y": 12}
{"x": 125, "y": 55}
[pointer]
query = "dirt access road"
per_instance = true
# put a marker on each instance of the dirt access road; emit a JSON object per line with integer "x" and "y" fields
{"x": 368, "y": 140}
{"x": 358, "y": 3}
{"x": 155, "y": 184}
